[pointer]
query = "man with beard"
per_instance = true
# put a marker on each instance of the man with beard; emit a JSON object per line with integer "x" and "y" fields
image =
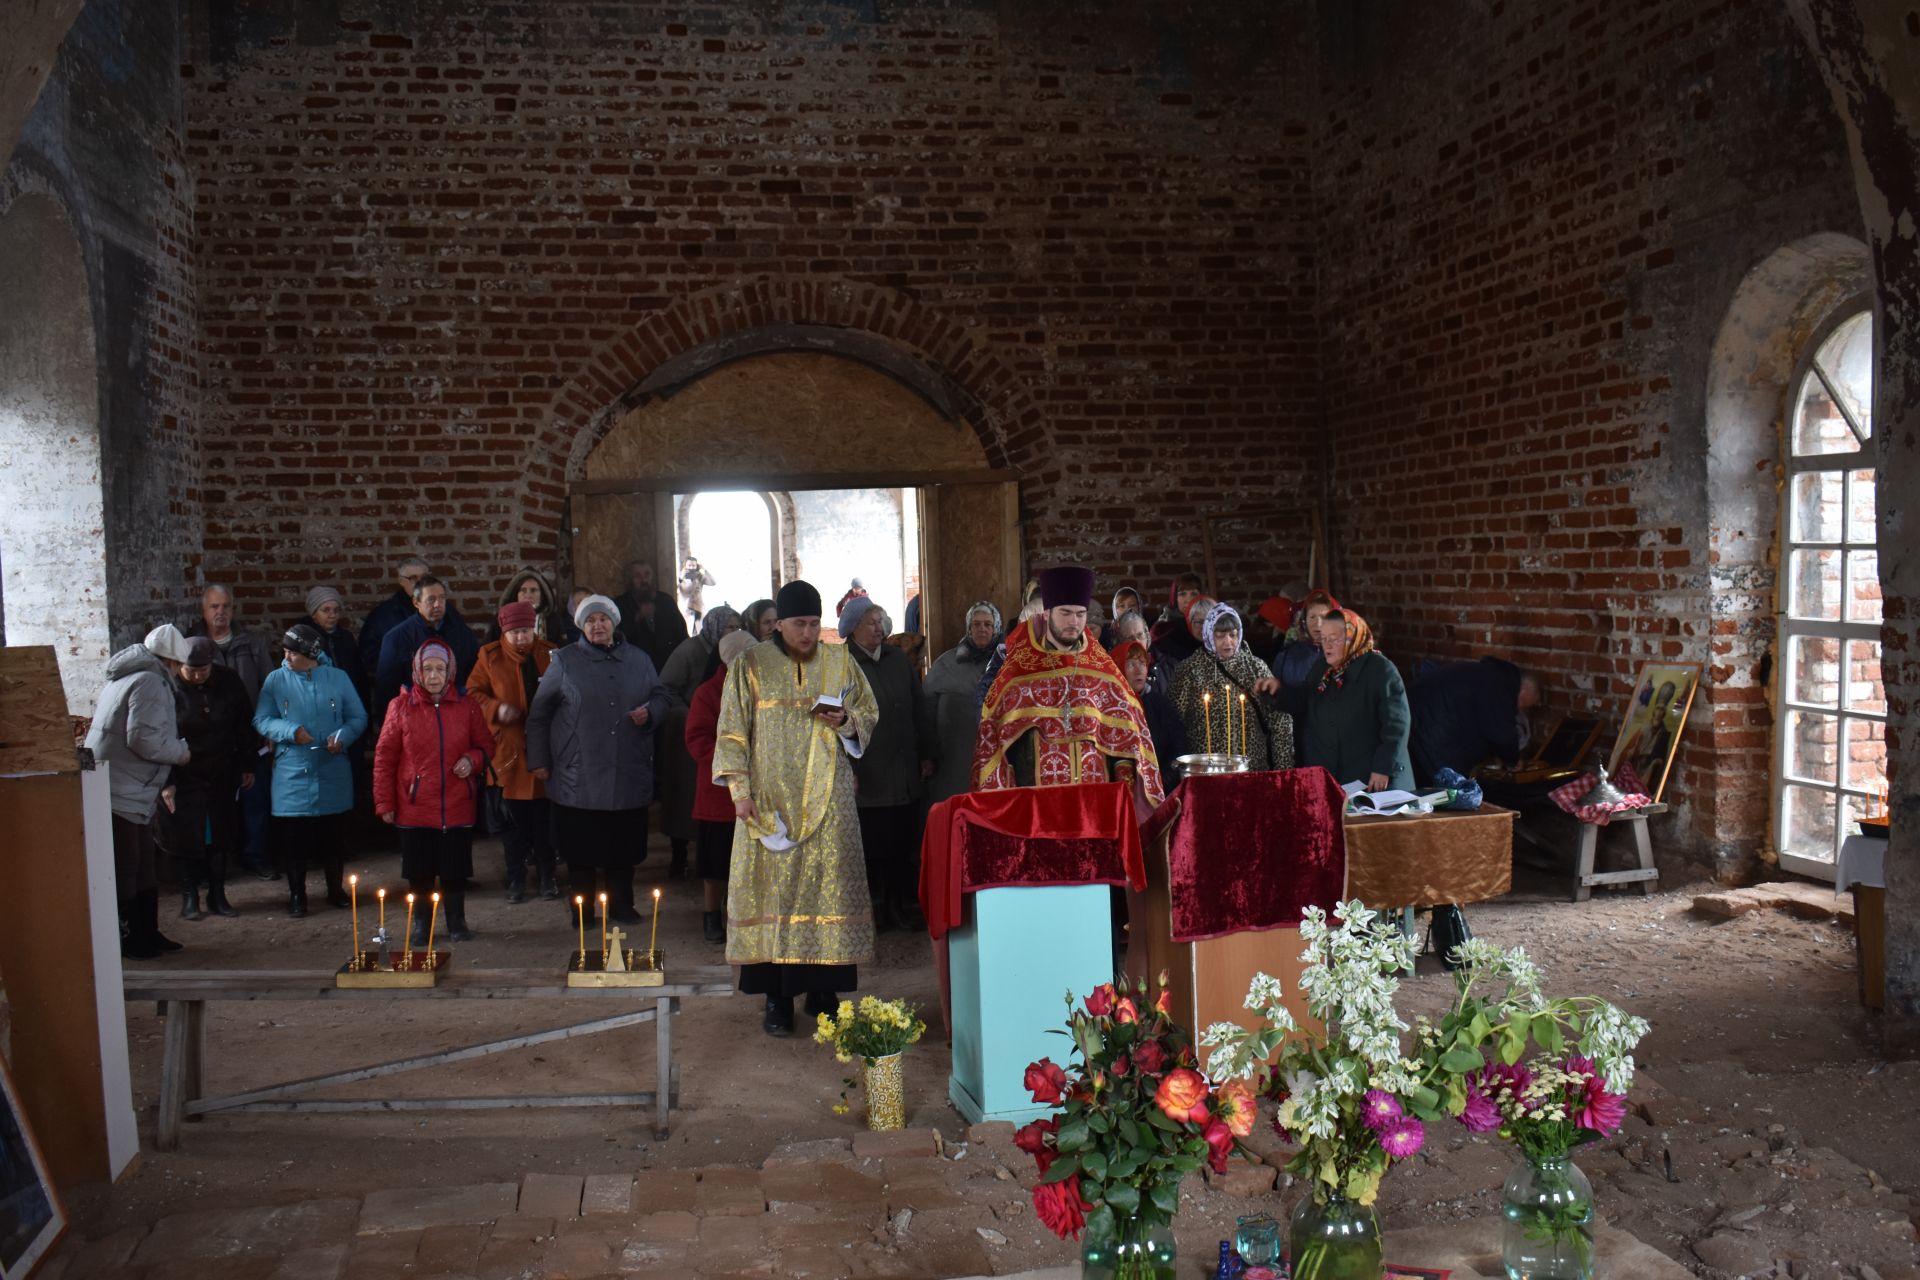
{"x": 1059, "y": 712}
{"x": 793, "y": 715}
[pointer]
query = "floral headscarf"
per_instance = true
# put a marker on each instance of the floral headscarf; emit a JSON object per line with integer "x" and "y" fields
{"x": 714, "y": 624}
{"x": 1215, "y": 616}
{"x": 435, "y": 649}
{"x": 1359, "y": 644}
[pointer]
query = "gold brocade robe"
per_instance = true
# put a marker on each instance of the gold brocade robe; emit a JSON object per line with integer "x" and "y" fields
{"x": 807, "y": 904}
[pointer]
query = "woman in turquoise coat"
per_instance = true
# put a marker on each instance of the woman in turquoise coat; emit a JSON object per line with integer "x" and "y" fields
{"x": 1357, "y": 718}
{"x": 310, "y": 713}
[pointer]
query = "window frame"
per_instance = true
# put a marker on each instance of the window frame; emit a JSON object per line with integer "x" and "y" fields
{"x": 1843, "y": 630}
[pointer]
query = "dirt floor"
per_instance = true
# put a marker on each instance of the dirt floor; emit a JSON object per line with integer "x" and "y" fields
{"x": 1769, "y": 1137}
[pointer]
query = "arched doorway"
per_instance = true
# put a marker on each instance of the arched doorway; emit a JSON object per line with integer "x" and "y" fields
{"x": 53, "y": 552}
{"x": 798, "y": 423}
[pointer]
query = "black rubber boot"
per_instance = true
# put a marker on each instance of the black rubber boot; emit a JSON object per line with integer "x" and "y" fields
{"x": 454, "y": 903}
{"x": 417, "y": 940}
{"x": 217, "y": 898}
{"x": 147, "y": 918}
{"x": 549, "y": 887}
{"x": 779, "y": 1017}
{"x": 133, "y": 946}
{"x": 336, "y": 884}
{"x": 297, "y": 903}
{"x": 190, "y": 903}
{"x": 713, "y": 925}
{"x": 517, "y": 886}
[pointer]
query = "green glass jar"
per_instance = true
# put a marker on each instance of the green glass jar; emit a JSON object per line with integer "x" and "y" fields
{"x": 1335, "y": 1239}
{"x": 1138, "y": 1248}
{"x": 1548, "y": 1206}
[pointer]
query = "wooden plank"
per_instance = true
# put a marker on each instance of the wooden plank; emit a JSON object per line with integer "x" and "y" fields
{"x": 663, "y": 1062}
{"x": 1619, "y": 877}
{"x": 469, "y": 984}
{"x": 762, "y": 480}
{"x": 173, "y": 1078}
{"x": 36, "y": 733}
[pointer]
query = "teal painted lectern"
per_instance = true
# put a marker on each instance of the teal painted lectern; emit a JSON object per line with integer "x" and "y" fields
{"x": 1012, "y": 962}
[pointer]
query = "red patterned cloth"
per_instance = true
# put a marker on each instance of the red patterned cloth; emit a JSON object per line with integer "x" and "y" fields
{"x": 1032, "y": 836}
{"x": 1568, "y": 796}
{"x": 1080, "y": 710}
{"x": 1251, "y": 850}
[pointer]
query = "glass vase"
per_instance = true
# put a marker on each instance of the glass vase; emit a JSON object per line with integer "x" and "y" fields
{"x": 1335, "y": 1239}
{"x": 886, "y": 1093}
{"x": 1137, "y": 1248}
{"x": 1548, "y": 1206}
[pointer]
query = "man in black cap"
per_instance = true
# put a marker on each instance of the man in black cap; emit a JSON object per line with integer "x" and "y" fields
{"x": 794, "y": 713}
{"x": 1093, "y": 729}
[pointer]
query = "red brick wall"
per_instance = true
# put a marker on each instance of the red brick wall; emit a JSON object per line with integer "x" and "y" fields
{"x": 1542, "y": 213}
{"x": 433, "y": 258}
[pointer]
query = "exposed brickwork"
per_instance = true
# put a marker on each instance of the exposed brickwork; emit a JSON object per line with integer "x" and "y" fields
{"x": 1539, "y": 232}
{"x": 435, "y": 258}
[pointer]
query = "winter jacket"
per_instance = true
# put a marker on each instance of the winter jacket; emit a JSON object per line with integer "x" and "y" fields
{"x": 951, "y": 686}
{"x": 1462, "y": 713}
{"x": 657, "y": 639}
{"x": 711, "y": 802}
{"x": 420, "y": 743}
{"x": 686, "y": 669}
{"x": 134, "y": 731}
{"x": 888, "y": 771}
{"x": 498, "y": 681}
{"x": 395, "y": 671}
{"x": 246, "y": 653}
{"x": 578, "y": 726}
{"x": 216, "y": 718}
{"x": 1359, "y": 727}
{"x": 387, "y": 615}
{"x": 308, "y": 780}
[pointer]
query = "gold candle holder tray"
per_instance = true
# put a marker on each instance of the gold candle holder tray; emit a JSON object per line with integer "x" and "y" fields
{"x": 410, "y": 969}
{"x": 643, "y": 969}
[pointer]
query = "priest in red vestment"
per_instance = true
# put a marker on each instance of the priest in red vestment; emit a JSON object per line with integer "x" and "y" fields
{"x": 1059, "y": 712}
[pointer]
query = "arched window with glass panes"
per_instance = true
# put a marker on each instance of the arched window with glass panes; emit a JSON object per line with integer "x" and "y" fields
{"x": 1830, "y": 751}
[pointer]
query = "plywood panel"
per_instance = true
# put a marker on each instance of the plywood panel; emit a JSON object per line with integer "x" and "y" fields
{"x": 36, "y": 733}
{"x": 792, "y": 413}
{"x": 972, "y": 546}
{"x": 611, "y": 529}
{"x": 45, "y": 924}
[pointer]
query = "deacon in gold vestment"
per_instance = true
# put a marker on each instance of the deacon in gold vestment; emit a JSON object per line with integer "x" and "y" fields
{"x": 798, "y": 916}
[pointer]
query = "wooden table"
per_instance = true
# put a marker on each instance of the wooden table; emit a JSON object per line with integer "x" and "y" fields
{"x": 183, "y": 996}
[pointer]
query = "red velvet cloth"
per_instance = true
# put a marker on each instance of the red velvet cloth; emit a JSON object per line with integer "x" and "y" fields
{"x": 1251, "y": 850}
{"x": 1032, "y": 836}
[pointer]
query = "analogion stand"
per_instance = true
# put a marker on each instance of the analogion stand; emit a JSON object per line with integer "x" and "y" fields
{"x": 183, "y": 996}
{"x": 1011, "y": 964}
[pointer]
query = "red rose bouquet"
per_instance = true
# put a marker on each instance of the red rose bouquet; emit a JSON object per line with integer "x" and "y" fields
{"x": 1136, "y": 1116}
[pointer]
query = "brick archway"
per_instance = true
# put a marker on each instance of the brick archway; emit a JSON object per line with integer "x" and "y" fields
{"x": 866, "y": 322}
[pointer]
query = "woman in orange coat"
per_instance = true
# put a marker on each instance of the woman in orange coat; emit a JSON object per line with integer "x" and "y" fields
{"x": 503, "y": 680}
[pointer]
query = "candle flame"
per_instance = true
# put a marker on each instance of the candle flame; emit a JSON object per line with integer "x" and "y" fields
{"x": 353, "y": 879}
{"x": 656, "y": 895}
{"x": 409, "y": 899}
{"x": 380, "y": 893}
{"x": 436, "y": 897}
{"x": 579, "y": 901}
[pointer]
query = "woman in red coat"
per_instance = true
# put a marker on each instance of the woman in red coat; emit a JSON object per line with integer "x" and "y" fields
{"x": 712, "y": 806}
{"x": 426, "y": 774}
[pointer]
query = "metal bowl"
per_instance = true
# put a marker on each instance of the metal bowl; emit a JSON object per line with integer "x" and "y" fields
{"x": 1211, "y": 762}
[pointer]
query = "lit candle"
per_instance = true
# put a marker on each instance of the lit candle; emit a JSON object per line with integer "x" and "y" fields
{"x": 1206, "y": 713}
{"x": 580, "y": 907}
{"x": 382, "y": 895}
{"x": 433, "y": 918}
{"x": 603, "y": 930}
{"x": 1243, "y": 724}
{"x": 353, "y": 898}
{"x": 1226, "y": 697}
{"x": 409, "y": 931}
{"x": 653, "y": 934}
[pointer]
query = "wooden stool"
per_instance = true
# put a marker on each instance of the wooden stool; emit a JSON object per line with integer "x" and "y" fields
{"x": 1646, "y": 875}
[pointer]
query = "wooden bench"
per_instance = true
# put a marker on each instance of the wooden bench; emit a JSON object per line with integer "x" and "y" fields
{"x": 183, "y": 996}
{"x": 1559, "y": 837}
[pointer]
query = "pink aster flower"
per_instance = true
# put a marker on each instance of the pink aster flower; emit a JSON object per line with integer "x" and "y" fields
{"x": 1402, "y": 1137}
{"x": 1599, "y": 1110}
{"x": 1380, "y": 1110}
{"x": 1480, "y": 1116}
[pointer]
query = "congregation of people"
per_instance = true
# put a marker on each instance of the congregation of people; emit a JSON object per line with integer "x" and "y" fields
{"x": 780, "y": 770}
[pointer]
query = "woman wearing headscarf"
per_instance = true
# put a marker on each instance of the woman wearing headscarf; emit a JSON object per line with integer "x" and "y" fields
{"x": 427, "y": 767}
{"x": 1163, "y": 719}
{"x": 1299, "y": 654}
{"x": 310, "y": 713}
{"x": 590, "y": 736}
{"x": 1029, "y": 605}
{"x": 504, "y": 678}
{"x": 951, "y": 685}
{"x": 1125, "y": 600}
{"x": 198, "y": 822}
{"x": 685, "y": 670}
{"x": 1209, "y": 689}
{"x": 1357, "y": 718}
{"x": 757, "y": 620}
{"x": 1174, "y": 637}
{"x": 712, "y": 804}
{"x": 530, "y": 586}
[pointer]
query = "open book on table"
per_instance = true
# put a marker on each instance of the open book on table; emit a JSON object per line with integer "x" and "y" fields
{"x": 1361, "y": 800}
